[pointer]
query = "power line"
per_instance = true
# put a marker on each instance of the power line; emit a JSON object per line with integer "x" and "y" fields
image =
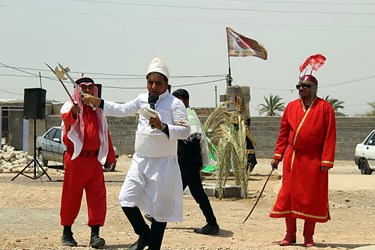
{"x": 117, "y": 76}
{"x": 304, "y": 25}
{"x": 9, "y": 92}
{"x": 228, "y": 9}
{"x": 347, "y": 82}
{"x": 29, "y": 74}
{"x": 312, "y": 3}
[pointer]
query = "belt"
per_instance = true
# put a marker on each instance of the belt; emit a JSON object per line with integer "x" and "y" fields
{"x": 85, "y": 153}
{"x": 89, "y": 153}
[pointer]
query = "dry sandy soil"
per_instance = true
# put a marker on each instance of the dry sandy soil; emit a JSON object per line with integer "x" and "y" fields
{"x": 29, "y": 214}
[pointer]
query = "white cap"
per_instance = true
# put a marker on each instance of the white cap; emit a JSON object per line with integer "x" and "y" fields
{"x": 157, "y": 65}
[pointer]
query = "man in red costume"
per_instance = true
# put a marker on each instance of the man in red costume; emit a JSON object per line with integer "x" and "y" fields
{"x": 306, "y": 144}
{"x": 89, "y": 146}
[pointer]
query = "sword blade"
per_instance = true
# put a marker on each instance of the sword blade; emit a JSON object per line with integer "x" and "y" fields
{"x": 260, "y": 195}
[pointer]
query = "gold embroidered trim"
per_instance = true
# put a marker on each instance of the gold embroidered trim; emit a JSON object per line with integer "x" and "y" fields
{"x": 328, "y": 162}
{"x": 303, "y": 119}
{"x": 284, "y": 212}
{"x": 299, "y": 213}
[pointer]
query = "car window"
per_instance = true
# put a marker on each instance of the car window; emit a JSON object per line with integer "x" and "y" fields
{"x": 50, "y": 134}
{"x": 58, "y": 134}
{"x": 371, "y": 140}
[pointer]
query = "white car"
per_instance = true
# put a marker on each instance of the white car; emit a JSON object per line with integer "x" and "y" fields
{"x": 365, "y": 154}
{"x": 51, "y": 148}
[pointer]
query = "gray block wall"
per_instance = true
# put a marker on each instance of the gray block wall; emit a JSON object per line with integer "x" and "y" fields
{"x": 350, "y": 131}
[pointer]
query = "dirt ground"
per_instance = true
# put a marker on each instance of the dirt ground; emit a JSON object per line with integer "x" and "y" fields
{"x": 29, "y": 214}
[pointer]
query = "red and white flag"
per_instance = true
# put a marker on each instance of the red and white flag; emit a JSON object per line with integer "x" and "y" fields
{"x": 239, "y": 45}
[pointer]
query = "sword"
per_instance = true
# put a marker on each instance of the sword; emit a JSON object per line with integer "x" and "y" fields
{"x": 62, "y": 72}
{"x": 62, "y": 83}
{"x": 260, "y": 195}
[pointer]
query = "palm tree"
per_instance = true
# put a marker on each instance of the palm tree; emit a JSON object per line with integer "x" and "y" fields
{"x": 371, "y": 112}
{"x": 272, "y": 106}
{"x": 336, "y": 105}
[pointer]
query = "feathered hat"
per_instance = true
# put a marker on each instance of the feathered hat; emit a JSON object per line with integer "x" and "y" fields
{"x": 313, "y": 62}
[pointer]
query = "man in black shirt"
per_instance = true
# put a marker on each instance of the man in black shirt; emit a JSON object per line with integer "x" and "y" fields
{"x": 192, "y": 154}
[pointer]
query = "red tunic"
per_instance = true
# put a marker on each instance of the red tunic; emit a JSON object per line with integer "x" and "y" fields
{"x": 306, "y": 141}
{"x": 84, "y": 173}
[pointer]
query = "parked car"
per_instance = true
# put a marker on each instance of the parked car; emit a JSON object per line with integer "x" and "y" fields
{"x": 50, "y": 147}
{"x": 365, "y": 154}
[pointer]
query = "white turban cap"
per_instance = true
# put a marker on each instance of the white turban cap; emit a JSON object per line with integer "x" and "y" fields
{"x": 157, "y": 65}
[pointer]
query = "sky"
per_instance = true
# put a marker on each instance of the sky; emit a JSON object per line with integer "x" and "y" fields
{"x": 114, "y": 41}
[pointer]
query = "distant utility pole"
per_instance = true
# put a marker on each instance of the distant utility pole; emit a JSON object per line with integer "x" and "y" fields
{"x": 215, "y": 96}
{"x": 40, "y": 80}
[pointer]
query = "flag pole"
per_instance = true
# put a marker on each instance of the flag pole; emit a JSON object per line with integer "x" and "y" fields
{"x": 229, "y": 76}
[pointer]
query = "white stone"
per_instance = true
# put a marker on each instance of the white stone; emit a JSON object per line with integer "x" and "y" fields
{"x": 7, "y": 165}
{"x": 6, "y": 157}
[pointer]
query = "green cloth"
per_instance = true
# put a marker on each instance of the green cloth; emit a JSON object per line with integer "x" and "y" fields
{"x": 210, "y": 167}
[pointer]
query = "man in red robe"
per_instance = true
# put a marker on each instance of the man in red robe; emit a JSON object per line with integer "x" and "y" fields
{"x": 306, "y": 144}
{"x": 89, "y": 146}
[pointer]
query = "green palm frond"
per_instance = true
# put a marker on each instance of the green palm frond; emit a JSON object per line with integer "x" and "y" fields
{"x": 372, "y": 111}
{"x": 272, "y": 106}
{"x": 336, "y": 105}
{"x": 227, "y": 131}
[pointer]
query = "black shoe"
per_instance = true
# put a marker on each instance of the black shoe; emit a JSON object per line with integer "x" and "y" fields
{"x": 140, "y": 244}
{"x": 148, "y": 217}
{"x": 208, "y": 229}
{"x": 68, "y": 240}
{"x": 96, "y": 241}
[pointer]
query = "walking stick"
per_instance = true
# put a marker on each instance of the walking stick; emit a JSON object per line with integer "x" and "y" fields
{"x": 260, "y": 195}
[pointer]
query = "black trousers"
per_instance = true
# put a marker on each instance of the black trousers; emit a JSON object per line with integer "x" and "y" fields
{"x": 191, "y": 178}
{"x": 154, "y": 235}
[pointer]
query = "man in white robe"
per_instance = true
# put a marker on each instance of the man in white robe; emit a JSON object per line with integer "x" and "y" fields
{"x": 153, "y": 183}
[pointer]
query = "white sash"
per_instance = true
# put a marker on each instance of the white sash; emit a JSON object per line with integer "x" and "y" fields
{"x": 154, "y": 145}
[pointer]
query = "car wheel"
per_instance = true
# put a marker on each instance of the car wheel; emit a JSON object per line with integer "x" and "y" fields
{"x": 42, "y": 159}
{"x": 364, "y": 167}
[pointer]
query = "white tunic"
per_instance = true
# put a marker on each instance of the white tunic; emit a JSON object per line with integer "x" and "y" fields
{"x": 153, "y": 182}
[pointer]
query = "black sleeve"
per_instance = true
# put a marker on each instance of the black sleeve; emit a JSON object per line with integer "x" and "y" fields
{"x": 166, "y": 130}
{"x": 101, "y": 105}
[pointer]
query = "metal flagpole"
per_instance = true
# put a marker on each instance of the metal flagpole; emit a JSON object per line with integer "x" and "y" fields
{"x": 229, "y": 76}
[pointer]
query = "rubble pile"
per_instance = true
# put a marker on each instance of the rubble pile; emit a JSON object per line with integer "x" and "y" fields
{"x": 12, "y": 161}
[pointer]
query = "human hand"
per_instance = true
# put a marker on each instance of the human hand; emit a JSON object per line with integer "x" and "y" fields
{"x": 155, "y": 122}
{"x": 324, "y": 168}
{"x": 75, "y": 109}
{"x": 109, "y": 166}
{"x": 91, "y": 100}
{"x": 274, "y": 163}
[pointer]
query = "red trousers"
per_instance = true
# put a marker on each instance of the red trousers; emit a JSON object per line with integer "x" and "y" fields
{"x": 83, "y": 173}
